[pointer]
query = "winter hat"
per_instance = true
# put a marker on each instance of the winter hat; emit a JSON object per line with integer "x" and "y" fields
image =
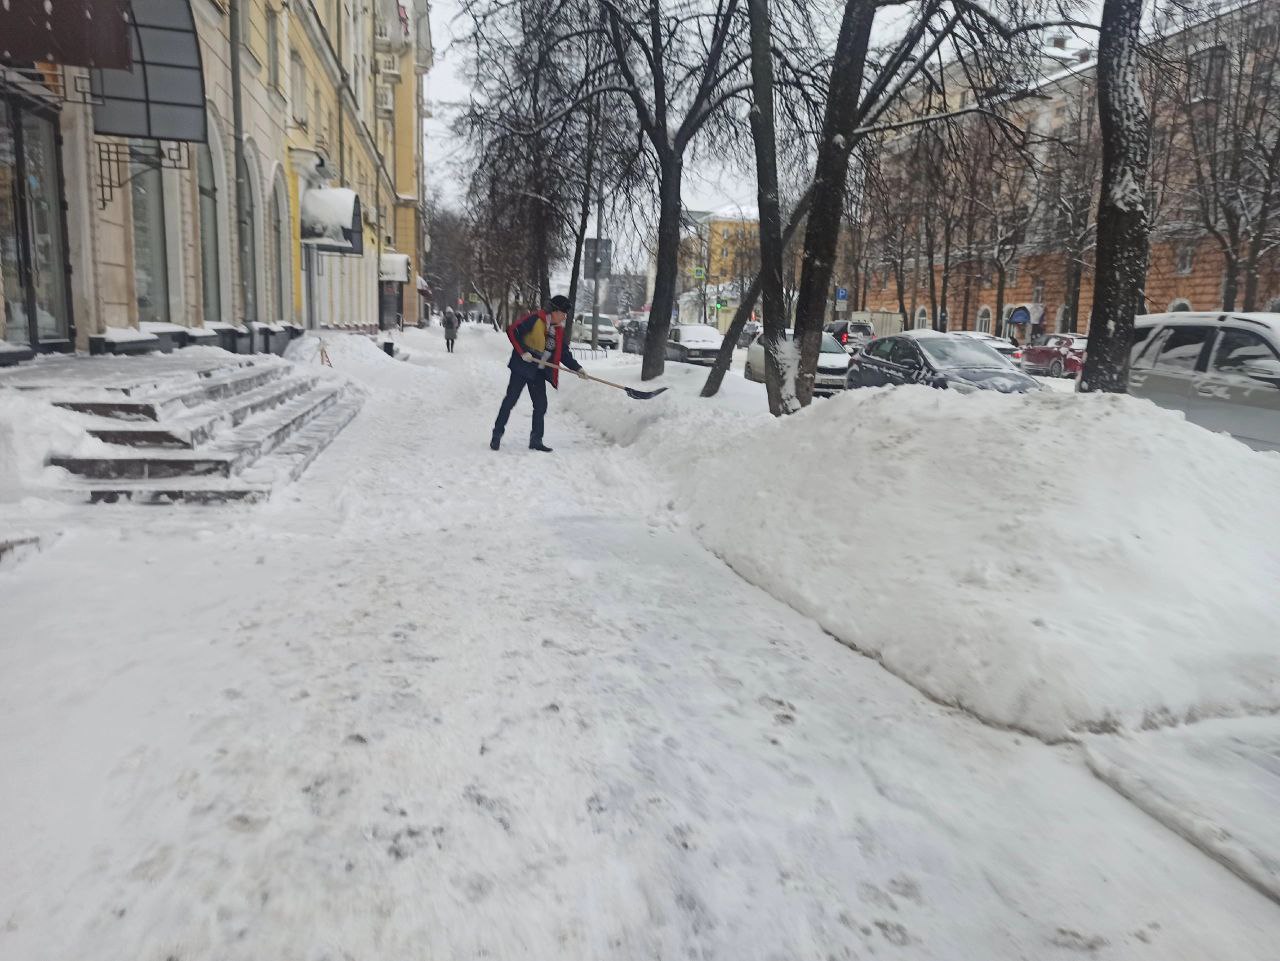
{"x": 561, "y": 303}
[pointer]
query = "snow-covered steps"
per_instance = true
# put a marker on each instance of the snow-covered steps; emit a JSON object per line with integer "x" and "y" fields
{"x": 190, "y": 432}
{"x": 196, "y": 425}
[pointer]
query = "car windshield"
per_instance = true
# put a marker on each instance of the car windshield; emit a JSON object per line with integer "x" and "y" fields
{"x": 960, "y": 352}
{"x": 865, "y": 330}
{"x": 830, "y": 345}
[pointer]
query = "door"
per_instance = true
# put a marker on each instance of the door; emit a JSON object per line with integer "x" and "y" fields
{"x": 150, "y": 244}
{"x": 873, "y": 371}
{"x": 1164, "y": 371}
{"x": 905, "y": 363}
{"x": 33, "y": 242}
{"x": 1239, "y": 392}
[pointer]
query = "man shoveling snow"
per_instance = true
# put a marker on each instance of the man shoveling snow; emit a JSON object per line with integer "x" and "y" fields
{"x": 537, "y": 353}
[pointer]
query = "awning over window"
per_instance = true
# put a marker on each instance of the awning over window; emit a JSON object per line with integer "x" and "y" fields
{"x": 86, "y": 33}
{"x": 331, "y": 221}
{"x": 394, "y": 267}
{"x": 161, "y": 97}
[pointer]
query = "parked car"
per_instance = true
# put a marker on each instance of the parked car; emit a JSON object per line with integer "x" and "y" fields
{"x": 750, "y": 331}
{"x": 693, "y": 343}
{"x": 938, "y": 360}
{"x": 1221, "y": 370}
{"x": 607, "y": 334}
{"x": 1058, "y": 355}
{"x": 833, "y": 364}
{"x": 853, "y": 335}
{"x": 633, "y": 334}
{"x": 999, "y": 344}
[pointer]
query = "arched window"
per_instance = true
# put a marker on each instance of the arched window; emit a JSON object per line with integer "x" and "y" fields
{"x": 984, "y": 320}
{"x": 922, "y": 318}
{"x": 248, "y": 243}
{"x": 210, "y": 248}
{"x": 275, "y": 260}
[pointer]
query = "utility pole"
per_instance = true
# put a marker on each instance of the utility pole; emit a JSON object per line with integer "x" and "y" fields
{"x": 595, "y": 286}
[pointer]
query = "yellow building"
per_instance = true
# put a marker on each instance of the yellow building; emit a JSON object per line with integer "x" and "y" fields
{"x": 291, "y": 164}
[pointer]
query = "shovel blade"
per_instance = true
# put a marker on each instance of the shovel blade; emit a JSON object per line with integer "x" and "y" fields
{"x": 643, "y": 394}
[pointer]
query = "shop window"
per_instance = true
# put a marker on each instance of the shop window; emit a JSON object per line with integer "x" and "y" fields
{"x": 210, "y": 248}
{"x": 150, "y": 256}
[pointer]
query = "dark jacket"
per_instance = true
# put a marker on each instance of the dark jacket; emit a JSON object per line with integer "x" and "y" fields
{"x": 536, "y": 335}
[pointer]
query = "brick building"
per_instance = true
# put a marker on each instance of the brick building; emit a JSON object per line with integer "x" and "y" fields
{"x": 1036, "y": 217}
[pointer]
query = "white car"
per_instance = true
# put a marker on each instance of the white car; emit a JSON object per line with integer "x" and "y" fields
{"x": 1221, "y": 370}
{"x": 833, "y": 364}
{"x": 607, "y": 334}
{"x": 1000, "y": 345}
{"x": 694, "y": 343}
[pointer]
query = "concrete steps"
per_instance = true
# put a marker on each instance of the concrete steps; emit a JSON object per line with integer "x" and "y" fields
{"x": 231, "y": 433}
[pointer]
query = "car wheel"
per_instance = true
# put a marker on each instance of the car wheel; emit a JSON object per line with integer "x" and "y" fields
{"x": 1055, "y": 369}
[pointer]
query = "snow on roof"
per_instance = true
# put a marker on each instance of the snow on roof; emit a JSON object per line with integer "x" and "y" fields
{"x": 329, "y": 214}
{"x": 394, "y": 267}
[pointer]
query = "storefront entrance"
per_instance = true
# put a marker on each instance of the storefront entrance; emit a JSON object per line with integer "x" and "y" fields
{"x": 33, "y": 230}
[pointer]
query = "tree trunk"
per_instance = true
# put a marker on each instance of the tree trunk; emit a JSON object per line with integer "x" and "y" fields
{"x": 664, "y": 285}
{"x": 997, "y": 322}
{"x": 900, "y": 281}
{"x": 1075, "y": 272}
{"x": 1230, "y": 282}
{"x": 1121, "y": 270}
{"x": 763, "y": 137}
{"x": 930, "y": 251}
{"x": 831, "y": 174}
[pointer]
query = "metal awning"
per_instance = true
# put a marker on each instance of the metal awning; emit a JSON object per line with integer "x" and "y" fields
{"x": 394, "y": 267}
{"x": 331, "y": 221}
{"x": 162, "y": 96}
{"x": 83, "y": 33}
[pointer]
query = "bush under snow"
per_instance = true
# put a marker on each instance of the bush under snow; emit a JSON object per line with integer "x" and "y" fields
{"x": 1054, "y": 563}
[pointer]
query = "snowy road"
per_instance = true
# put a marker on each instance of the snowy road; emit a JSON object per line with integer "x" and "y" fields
{"x": 434, "y": 703}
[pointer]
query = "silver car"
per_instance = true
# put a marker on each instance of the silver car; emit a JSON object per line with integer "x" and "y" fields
{"x": 1221, "y": 370}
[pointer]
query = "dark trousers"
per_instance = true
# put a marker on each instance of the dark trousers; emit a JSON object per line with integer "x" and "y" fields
{"x": 537, "y": 393}
{"x": 448, "y": 343}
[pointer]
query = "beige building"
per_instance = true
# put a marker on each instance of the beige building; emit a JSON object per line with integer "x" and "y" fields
{"x": 193, "y": 213}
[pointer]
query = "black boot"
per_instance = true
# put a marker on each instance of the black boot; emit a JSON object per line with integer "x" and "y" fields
{"x": 539, "y": 445}
{"x": 495, "y": 442}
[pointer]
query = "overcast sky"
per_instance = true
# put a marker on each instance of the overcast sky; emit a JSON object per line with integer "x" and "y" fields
{"x": 447, "y": 90}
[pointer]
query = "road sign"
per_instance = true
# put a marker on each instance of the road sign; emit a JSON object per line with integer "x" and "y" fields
{"x": 592, "y": 270}
{"x": 699, "y": 273}
{"x": 842, "y": 293}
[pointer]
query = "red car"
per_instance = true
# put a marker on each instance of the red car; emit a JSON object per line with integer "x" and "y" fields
{"x": 1058, "y": 355}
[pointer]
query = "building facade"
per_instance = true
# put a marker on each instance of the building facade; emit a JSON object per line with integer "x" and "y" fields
{"x": 177, "y": 187}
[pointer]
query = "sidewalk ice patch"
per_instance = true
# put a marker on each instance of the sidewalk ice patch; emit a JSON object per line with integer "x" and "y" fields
{"x": 1217, "y": 784}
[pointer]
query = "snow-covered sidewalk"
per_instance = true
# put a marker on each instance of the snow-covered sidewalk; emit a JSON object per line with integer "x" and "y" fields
{"x": 436, "y": 702}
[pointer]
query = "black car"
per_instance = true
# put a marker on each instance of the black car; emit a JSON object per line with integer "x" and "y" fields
{"x": 938, "y": 360}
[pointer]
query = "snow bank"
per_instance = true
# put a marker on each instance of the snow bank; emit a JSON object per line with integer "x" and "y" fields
{"x": 1054, "y": 563}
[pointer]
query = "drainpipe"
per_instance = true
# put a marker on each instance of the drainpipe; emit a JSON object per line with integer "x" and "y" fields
{"x": 242, "y": 188}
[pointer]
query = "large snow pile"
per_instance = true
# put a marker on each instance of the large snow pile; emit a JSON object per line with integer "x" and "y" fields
{"x": 1054, "y": 563}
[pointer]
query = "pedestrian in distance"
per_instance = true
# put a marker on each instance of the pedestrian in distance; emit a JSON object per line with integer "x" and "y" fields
{"x": 450, "y": 325}
{"x": 536, "y": 337}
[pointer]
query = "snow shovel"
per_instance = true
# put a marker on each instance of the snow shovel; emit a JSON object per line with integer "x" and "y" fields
{"x": 631, "y": 391}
